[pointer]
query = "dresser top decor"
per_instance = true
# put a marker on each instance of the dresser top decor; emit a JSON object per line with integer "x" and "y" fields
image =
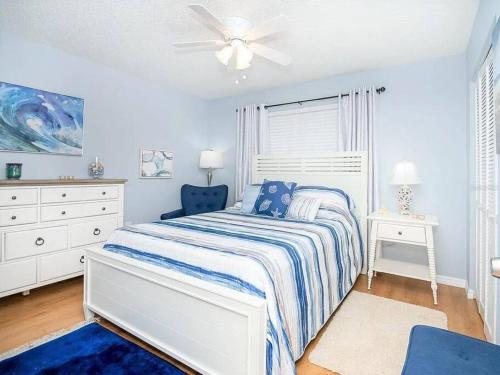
{"x": 103, "y": 181}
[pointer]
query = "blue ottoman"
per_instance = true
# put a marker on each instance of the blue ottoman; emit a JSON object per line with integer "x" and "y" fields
{"x": 434, "y": 351}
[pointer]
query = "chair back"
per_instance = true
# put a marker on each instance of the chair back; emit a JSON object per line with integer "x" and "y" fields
{"x": 200, "y": 199}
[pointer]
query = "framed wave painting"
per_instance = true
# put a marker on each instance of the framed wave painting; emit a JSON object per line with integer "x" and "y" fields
{"x": 33, "y": 120}
{"x": 157, "y": 164}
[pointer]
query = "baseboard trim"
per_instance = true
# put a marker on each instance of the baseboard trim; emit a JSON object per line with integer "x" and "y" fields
{"x": 471, "y": 294}
{"x": 452, "y": 281}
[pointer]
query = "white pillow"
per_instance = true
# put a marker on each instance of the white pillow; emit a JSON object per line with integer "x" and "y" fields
{"x": 303, "y": 208}
{"x": 250, "y": 195}
{"x": 331, "y": 198}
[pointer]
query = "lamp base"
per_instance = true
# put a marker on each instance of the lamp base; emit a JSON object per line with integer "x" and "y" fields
{"x": 209, "y": 177}
{"x": 405, "y": 198}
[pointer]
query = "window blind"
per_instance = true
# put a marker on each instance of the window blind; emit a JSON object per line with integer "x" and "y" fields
{"x": 304, "y": 130}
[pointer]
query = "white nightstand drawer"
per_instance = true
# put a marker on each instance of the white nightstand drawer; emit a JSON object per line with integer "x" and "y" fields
{"x": 401, "y": 233}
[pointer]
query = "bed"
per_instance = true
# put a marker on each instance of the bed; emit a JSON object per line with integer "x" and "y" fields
{"x": 229, "y": 293}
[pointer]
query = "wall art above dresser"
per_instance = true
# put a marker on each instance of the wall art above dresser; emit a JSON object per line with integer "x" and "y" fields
{"x": 46, "y": 224}
{"x": 33, "y": 120}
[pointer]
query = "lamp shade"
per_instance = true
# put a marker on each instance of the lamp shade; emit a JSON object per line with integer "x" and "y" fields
{"x": 405, "y": 173}
{"x": 211, "y": 159}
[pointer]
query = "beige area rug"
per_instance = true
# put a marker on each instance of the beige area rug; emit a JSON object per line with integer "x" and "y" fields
{"x": 369, "y": 335}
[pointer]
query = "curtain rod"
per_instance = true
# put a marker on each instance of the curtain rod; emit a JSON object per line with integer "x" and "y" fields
{"x": 379, "y": 90}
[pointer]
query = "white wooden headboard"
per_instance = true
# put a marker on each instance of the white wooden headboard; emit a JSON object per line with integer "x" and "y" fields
{"x": 344, "y": 170}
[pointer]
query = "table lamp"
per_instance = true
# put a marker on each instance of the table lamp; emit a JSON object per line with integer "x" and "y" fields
{"x": 211, "y": 160}
{"x": 405, "y": 175}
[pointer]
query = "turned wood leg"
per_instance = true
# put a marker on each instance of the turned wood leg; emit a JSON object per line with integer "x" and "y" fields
{"x": 378, "y": 254}
{"x": 371, "y": 253}
{"x": 432, "y": 273}
{"x": 432, "y": 263}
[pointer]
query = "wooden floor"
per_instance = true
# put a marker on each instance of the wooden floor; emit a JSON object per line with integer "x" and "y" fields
{"x": 59, "y": 306}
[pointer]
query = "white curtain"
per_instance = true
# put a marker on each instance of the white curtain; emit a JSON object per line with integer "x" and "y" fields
{"x": 356, "y": 133}
{"x": 252, "y": 138}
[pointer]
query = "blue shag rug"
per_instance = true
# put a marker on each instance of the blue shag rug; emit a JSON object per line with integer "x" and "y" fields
{"x": 90, "y": 349}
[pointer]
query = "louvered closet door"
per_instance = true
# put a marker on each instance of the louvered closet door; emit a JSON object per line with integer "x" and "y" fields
{"x": 486, "y": 197}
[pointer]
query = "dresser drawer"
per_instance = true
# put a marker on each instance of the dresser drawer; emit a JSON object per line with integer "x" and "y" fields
{"x": 101, "y": 208}
{"x": 60, "y": 264}
{"x": 401, "y": 232}
{"x": 61, "y": 212}
{"x": 76, "y": 194}
{"x": 93, "y": 232}
{"x": 17, "y": 274}
{"x": 61, "y": 194}
{"x": 17, "y": 216}
{"x": 77, "y": 210}
{"x": 101, "y": 192}
{"x": 18, "y": 197}
{"x": 36, "y": 241}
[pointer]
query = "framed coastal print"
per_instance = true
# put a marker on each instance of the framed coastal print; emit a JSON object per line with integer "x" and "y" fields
{"x": 156, "y": 164}
{"x": 38, "y": 121}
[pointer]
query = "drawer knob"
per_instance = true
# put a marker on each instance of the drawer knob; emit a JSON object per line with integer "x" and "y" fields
{"x": 103, "y": 193}
{"x": 400, "y": 233}
{"x": 13, "y": 197}
{"x": 104, "y": 208}
{"x": 63, "y": 195}
{"x": 63, "y": 212}
{"x": 39, "y": 241}
{"x": 13, "y": 217}
{"x": 82, "y": 259}
{"x": 97, "y": 231}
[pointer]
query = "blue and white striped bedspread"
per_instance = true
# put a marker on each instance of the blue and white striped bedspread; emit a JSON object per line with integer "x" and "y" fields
{"x": 302, "y": 269}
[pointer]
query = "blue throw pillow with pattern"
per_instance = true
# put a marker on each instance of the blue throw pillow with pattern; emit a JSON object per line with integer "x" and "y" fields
{"x": 274, "y": 198}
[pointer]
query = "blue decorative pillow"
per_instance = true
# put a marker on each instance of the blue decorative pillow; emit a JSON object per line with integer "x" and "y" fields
{"x": 274, "y": 198}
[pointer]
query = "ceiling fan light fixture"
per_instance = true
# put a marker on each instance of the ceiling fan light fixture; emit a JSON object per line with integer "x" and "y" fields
{"x": 243, "y": 57}
{"x": 225, "y": 54}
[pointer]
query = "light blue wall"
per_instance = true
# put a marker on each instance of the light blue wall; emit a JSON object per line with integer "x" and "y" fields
{"x": 122, "y": 114}
{"x": 421, "y": 117}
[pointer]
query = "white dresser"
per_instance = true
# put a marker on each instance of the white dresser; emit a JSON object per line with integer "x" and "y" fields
{"x": 46, "y": 224}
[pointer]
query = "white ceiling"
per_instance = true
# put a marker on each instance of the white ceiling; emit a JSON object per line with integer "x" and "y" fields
{"x": 325, "y": 37}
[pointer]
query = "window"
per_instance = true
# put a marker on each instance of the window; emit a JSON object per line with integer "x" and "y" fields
{"x": 304, "y": 130}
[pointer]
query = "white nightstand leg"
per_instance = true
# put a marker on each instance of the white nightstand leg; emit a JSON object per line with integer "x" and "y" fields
{"x": 371, "y": 253}
{"x": 432, "y": 262}
{"x": 378, "y": 254}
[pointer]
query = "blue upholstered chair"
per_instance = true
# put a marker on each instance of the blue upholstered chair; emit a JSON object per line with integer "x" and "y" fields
{"x": 434, "y": 351}
{"x": 198, "y": 200}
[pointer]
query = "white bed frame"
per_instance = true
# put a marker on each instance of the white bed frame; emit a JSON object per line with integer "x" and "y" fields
{"x": 210, "y": 328}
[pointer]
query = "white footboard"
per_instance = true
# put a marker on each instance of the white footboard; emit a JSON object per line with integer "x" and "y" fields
{"x": 210, "y": 328}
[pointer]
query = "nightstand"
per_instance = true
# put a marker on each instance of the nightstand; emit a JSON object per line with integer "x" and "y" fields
{"x": 403, "y": 229}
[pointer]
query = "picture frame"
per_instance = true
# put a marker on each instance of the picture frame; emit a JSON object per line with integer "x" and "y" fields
{"x": 154, "y": 164}
{"x": 40, "y": 122}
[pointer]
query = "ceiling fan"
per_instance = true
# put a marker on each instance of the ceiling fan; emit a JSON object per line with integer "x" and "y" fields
{"x": 238, "y": 39}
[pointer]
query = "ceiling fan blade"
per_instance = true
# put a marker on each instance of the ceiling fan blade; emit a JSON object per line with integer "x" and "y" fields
{"x": 209, "y": 18}
{"x": 270, "y": 54}
{"x": 200, "y": 43}
{"x": 269, "y": 27}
